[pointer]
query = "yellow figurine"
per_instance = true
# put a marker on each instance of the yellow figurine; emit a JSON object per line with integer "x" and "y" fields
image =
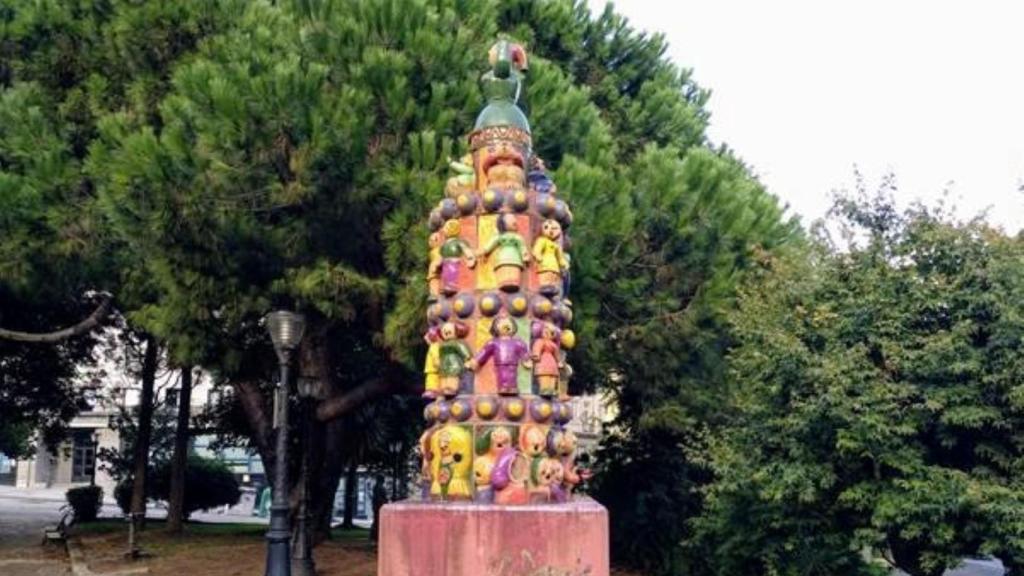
{"x": 551, "y": 260}
{"x": 434, "y": 266}
{"x": 452, "y": 462}
{"x": 464, "y": 179}
{"x": 432, "y": 366}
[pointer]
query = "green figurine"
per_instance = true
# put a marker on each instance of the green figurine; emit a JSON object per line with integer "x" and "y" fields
{"x": 511, "y": 255}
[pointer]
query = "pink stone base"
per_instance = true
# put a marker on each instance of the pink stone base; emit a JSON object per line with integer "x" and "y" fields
{"x": 456, "y": 539}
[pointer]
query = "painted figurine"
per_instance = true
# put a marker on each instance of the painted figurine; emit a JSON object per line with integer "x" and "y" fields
{"x": 510, "y": 253}
{"x": 451, "y": 462}
{"x": 426, "y": 457}
{"x": 510, "y": 477}
{"x": 551, "y": 259}
{"x": 538, "y": 178}
{"x": 507, "y": 353}
{"x": 565, "y": 450}
{"x": 434, "y": 266}
{"x": 432, "y": 366}
{"x": 464, "y": 178}
{"x": 493, "y": 442}
{"x": 547, "y": 360}
{"x": 453, "y": 353}
{"x": 453, "y": 251}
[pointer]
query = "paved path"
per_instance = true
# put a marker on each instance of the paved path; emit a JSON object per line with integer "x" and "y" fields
{"x": 21, "y": 530}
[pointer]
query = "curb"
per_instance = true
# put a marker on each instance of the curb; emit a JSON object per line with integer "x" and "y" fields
{"x": 79, "y": 568}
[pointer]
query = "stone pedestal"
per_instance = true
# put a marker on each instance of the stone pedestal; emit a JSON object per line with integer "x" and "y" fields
{"x": 466, "y": 539}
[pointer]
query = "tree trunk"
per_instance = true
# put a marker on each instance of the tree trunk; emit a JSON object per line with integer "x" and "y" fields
{"x": 351, "y": 479}
{"x": 179, "y": 462}
{"x": 327, "y": 478}
{"x": 145, "y": 431}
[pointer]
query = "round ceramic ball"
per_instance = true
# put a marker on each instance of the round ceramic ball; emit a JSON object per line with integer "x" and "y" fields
{"x": 520, "y": 201}
{"x": 460, "y": 410}
{"x": 517, "y": 304}
{"x": 563, "y": 313}
{"x": 540, "y": 410}
{"x": 441, "y": 310}
{"x": 568, "y": 339}
{"x": 463, "y": 305}
{"x": 490, "y": 304}
{"x": 466, "y": 203}
{"x": 542, "y": 306}
{"x": 492, "y": 200}
{"x": 486, "y": 407}
{"x": 561, "y": 212}
{"x": 514, "y": 408}
{"x": 436, "y": 220}
{"x": 448, "y": 208}
{"x": 563, "y": 412}
{"x": 546, "y": 205}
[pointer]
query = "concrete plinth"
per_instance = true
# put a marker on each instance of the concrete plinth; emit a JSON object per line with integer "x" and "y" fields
{"x": 456, "y": 539}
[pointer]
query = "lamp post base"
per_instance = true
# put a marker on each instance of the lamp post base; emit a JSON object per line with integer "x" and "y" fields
{"x": 466, "y": 539}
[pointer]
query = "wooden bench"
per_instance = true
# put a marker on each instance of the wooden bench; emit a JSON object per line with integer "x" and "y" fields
{"x": 59, "y": 532}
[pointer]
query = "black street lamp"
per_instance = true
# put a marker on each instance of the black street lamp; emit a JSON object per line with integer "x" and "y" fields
{"x": 302, "y": 563}
{"x": 286, "y": 332}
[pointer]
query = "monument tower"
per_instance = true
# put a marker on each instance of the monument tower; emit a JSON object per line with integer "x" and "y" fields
{"x": 498, "y": 463}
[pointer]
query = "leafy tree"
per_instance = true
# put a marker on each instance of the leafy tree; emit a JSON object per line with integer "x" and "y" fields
{"x": 877, "y": 388}
{"x": 286, "y": 154}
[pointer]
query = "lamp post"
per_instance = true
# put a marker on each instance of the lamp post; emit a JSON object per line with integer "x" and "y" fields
{"x": 303, "y": 561}
{"x": 286, "y": 332}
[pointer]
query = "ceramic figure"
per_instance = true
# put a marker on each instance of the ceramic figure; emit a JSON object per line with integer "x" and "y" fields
{"x": 506, "y": 352}
{"x": 510, "y": 253}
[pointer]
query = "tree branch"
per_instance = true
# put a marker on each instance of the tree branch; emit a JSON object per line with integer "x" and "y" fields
{"x": 83, "y": 327}
{"x": 338, "y": 406}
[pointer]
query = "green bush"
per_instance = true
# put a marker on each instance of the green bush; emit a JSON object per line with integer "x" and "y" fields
{"x": 123, "y": 495}
{"x": 208, "y": 484}
{"x": 86, "y": 502}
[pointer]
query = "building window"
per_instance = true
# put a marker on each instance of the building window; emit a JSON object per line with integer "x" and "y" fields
{"x": 83, "y": 456}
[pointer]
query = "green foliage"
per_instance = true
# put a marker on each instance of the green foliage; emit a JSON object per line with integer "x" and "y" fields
{"x": 877, "y": 404}
{"x": 86, "y": 502}
{"x": 261, "y": 154}
{"x": 208, "y": 484}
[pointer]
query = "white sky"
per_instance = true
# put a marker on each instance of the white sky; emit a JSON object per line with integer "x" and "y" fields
{"x": 804, "y": 90}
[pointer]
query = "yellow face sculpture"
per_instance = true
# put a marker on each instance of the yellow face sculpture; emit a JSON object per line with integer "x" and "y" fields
{"x": 451, "y": 462}
{"x": 533, "y": 441}
{"x": 552, "y": 229}
{"x": 451, "y": 228}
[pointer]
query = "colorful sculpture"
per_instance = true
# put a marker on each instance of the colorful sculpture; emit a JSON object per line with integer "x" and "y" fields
{"x": 453, "y": 251}
{"x": 491, "y": 438}
{"x": 510, "y": 254}
{"x": 464, "y": 179}
{"x": 434, "y": 266}
{"x": 547, "y": 359}
{"x": 506, "y": 352}
{"x": 453, "y": 353}
{"x": 551, "y": 261}
{"x": 451, "y": 460}
{"x": 432, "y": 365}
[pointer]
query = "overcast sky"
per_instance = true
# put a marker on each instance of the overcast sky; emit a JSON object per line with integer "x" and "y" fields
{"x": 804, "y": 91}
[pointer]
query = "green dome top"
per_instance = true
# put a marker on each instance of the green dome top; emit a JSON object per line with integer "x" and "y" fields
{"x": 502, "y": 113}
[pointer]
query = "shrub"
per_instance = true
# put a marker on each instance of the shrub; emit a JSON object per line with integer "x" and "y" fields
{"x": 208, "y": 484}
{"x": 123, "y": 495}
{"x": 86, "y": 502}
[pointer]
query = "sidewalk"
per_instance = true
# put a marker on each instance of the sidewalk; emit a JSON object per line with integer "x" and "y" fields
{"x": 240, "y": 514}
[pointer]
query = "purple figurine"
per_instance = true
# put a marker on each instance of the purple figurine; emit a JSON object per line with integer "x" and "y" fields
{"x": 507, "y": 351}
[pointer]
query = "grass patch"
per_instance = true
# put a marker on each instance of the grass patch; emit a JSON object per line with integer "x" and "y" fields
{"x": 109, "y": 526}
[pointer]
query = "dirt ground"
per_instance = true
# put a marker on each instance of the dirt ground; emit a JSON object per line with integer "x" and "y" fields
{"x": 217, "y": 551}
{"x": 221, "y": 550}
